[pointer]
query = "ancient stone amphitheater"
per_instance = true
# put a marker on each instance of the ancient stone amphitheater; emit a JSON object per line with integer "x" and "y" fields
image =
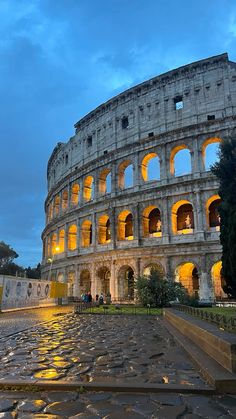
{"x": 120, "y": 201}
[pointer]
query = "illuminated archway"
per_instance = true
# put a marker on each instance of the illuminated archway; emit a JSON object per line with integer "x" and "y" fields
{"x": 54, "y": 243}
{"x": 104, "y": 230}
{"x": 126, "y": 283}
{"x": 218, "y": 280}
{"x": 88, "y": 188}
{"x": 180, "y": 161}
{"x": 154, "y": 267}
{"x": 105, "y": 182}
{"x": 103, "y": 276}
{"x": 49, "y": 249}
{"x": 71, "y": 283}
{"x": 75, "y": 194}
{"x": 210, "y": 151}
{"x": 72, "y": 237}
{"x": 187, "y": 275}
{"x": 212, "y": 214}
{"x": 85, "y": 281}
{"x": 57, "y": 202}
{"x": 150, "y": 167}
{"x": 125, "y": 225}
{"x": 61, "y": 241}
{"x": 182, "y": 217}
{"x": 152, "y": 226}
{"x": 64, "y": 200}
{"x": 86, "y": 233}
{"x": 125, "y": 174}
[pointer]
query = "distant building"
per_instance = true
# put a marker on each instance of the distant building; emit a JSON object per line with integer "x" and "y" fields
{"x": 119, "y": 204}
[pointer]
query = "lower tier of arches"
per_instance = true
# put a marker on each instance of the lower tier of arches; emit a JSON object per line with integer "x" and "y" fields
{"x": 115, "y": 274}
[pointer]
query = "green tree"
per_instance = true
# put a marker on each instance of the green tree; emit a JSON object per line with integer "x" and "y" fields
{"x": 7, "y": 254}
{"x": 225, "y": 171}
{"x": 34, "y": 273}
{"x": 158, "y": 292}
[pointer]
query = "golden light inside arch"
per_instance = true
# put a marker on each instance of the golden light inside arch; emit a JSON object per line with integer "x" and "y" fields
{"x": 102, "y": 229}
{"x": 217, "y": 279}
{"x": 144, "y": 165}
{"x": 146, "y": 221}
{"x": 75, "y": 194}
{"x": 88, "y": 188}
{"x": 72, "y": 237}
{"x": 122, "y": 217}
{"x": 86, "y": 233}
{"x": 173, "y": 153}
{"x": 102, "y": 180}
{"x": 184, "y": 275}
{"x": 208, "y": 203}
{"x": 174, "y": 211}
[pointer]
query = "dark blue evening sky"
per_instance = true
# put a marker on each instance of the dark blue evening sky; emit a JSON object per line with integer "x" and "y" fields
{"x": 61, "y": 58}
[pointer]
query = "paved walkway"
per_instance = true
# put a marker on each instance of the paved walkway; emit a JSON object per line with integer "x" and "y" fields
{"x": 98, "y": 348}
{"x": 56, "y": 405}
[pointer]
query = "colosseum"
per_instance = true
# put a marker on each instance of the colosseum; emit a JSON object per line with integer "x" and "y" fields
{"x": 119, "y": 200}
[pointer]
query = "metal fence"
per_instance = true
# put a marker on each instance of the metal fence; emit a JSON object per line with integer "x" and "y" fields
{"x": 223, "y": 322}
{"x": 114, "y": 309}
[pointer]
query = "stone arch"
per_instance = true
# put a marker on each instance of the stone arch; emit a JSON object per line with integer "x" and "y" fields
{"x": 75, "y": 194}
{"x": 149, "y": 163}
{"x": 182, "y": 217}
{"x": 72, "y": 237}
{"x": 212, "y": 215}
{"x": 218, "y": 280}
{"x": 85, "y": 281}
{"x": 187, "y": 160}
{"x": 54, "y": 243}
{"x": 125, "y": 174}
{"x": 60, "y": 277}
{"x": 105, "y": 182}
{"x": 188, "y": 275}
{"x": 153, "y": 266}
{"x": 103, "y": 280}
{"x": 88, "y": 188}
{"x": 86, "y": 233}
{"x": 64, "y": 200}
{"x": 205, "y": 146}
{"x": 152, "y": 226}
{"x": 61, "y": 240}
{"x": 57, "y": 203}
{"x": 71, "y": 283}
{"x": 125, "y": 225}
{"x": 126, "y": 283}
{"x": 104, "y": 229}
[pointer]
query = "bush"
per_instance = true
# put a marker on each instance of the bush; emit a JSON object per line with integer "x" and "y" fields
{"x": 158, "y": 292}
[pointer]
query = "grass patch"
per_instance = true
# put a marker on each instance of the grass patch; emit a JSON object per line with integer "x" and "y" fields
{"x": 124, "y": 309}
{"x": 225, "y": 311}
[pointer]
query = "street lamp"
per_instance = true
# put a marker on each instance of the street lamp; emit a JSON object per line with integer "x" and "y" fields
{"x": 56, "y": 250}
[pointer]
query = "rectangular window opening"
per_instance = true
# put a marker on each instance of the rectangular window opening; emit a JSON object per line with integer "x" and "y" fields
{"x": 151, "y": 134}
{"x": 178, "y": 101}
{"x": 211, "y": 117}
{"x": 89, "y": 141}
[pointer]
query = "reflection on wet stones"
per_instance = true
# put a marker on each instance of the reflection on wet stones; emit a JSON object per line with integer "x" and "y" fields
{"x": 48, "y": 374}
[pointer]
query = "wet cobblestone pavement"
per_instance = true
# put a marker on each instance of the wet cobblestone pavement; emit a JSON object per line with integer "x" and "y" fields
{"x": 72, "y": 405}
{"x": 130, "y": 349}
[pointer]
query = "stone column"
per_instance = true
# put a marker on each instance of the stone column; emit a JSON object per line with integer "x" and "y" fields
{"x": 206, "y": 293}
{"x": 136, "y": 171}
{"x": 76, "y": 284}
{"x": 163, "y": 165}
{"x": 136, "y": 222}
{"x": 93, "y": 280}
{"x": 114, "y": 179}
{"x": 165, "y": 221}
{"x": 112, "y": 215}
{"x": 113, "y": 281}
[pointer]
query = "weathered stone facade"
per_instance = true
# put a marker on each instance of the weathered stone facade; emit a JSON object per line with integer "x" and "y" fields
{"x": 102, "y": 236}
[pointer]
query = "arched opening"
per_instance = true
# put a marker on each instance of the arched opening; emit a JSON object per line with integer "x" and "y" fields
{"x": 54, "y": 243}
{"x": 72, "y": 237}
{"x": 187, "y": 275}
{"x": 218, "y": 280}
{"x": 126, "y": 283}
{"x": 57, "y": 202}
{"x": 180, "y": 161}
{"x": 61, "y": 241}
{"x": 152, "y": 226}
{"x": 210, "y": 150}
{"x": 103, "y": 276}
{"x": 75, "y": 194}
{"x": 71, "y": 283}
{"x": 85, "y": 281}
{"x": 86, "y": 233}
{"x": 105, "y": 182}
{"x": 104, "y": 230}
{"x": 60, "y": 277}
{"x": 212, "y": 214}
{"x": 182, "y": 217}
{"x": 125, "y": 175}
{"x": 88, "y": 188}
{"x": 125, "y": 226}
{"x": 150, "y": 167}
{"x": 154, "y": 267}
{"x": 64, "y": 200}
